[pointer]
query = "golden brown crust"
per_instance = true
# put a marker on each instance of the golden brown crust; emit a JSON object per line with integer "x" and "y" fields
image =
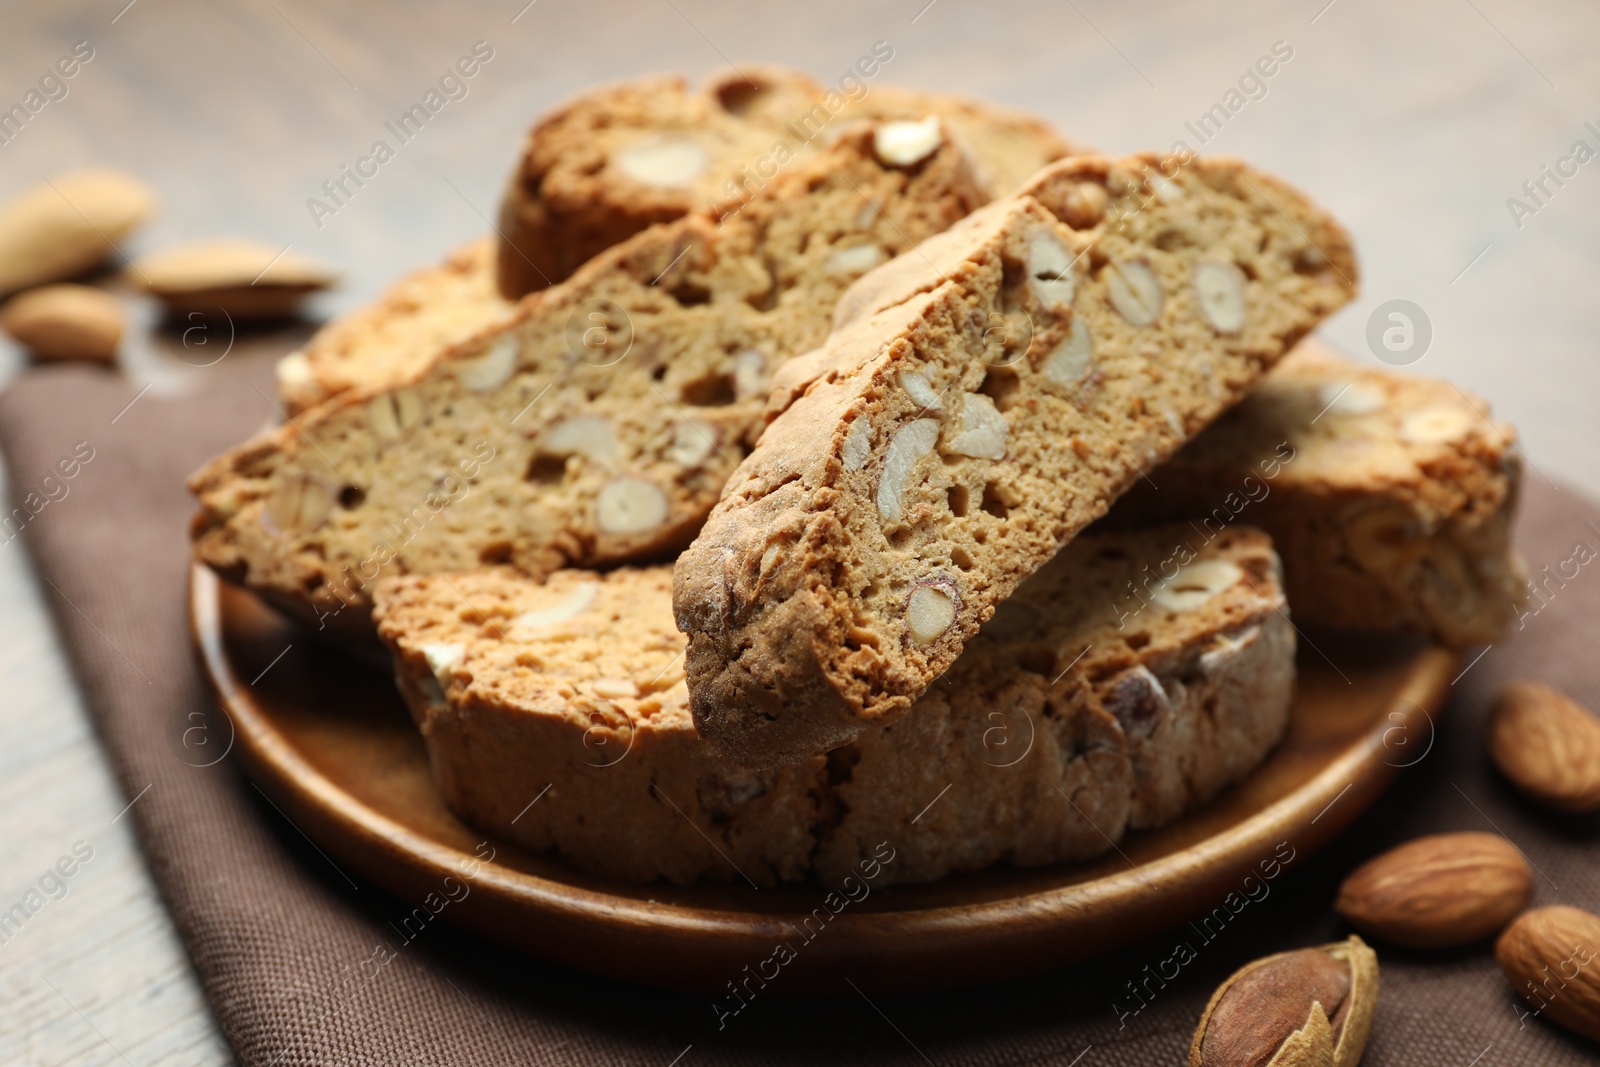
{"x": 1070, "y": 719}
{"x": 400, "y": 333}
{"x": 936, "y": 451}
{"x": 1390, "y": 498}
{"x": 594, "y": 424}
{"x": 626, "y": 156}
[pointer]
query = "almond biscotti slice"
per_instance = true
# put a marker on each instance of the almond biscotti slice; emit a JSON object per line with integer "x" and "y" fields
{"x": 622, "y": 157}
{"x": 1166, "y": 707}
{"x": 556, "y": 715}
{"x": 1390, "y": 498}
{"x": 986, "y": 397}
{"x": 430, "y": 309}
{"x": 401, "y": 332}
{"x": 597, "y": 424}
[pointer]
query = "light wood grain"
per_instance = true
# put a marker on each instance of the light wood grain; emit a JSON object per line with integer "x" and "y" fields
{"x": 97, "y": 975}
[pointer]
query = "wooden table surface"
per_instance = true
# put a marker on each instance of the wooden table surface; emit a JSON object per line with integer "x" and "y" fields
{"x": 1415, "y": 123}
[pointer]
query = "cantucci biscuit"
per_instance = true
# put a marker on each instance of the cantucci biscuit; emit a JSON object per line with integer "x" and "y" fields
{"x": 1390, "y": 498}
{"x": 400, "y": 333}
{"x": 984, "y": 398}
{"x": 622, "y": 157}
{"x": 597, "y": 423}
{"x": 556, "y": 715}
{"x": 1441, "y": 564}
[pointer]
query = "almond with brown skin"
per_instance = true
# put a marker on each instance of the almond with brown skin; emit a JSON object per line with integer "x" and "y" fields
{"x": 1446, "y": 889}
{"x": 1548, "y": 746}
{"x": 1309, "y": 1007}
{"x": 1549, "y": 957}
{"x": 65, "y": 322}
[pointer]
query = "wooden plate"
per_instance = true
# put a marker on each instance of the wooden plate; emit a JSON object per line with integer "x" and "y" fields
{"x": 328, "y": 739}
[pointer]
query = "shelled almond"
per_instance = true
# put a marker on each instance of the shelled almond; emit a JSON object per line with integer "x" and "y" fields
{"x": 1548, "y": 956}
{"x": 65, "y": 322}
{"x": 1548, "y": 746}
{"x": 244, "y": 279}
{"x": 1437, "y": 891}
{"x": 67, "y": 225}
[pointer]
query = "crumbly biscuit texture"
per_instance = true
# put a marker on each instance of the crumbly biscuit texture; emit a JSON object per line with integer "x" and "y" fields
{"x": 983, "y": 399}
{"x": 397, "y": 335}
{"x": 1441, "y": 564}
{"x": 1390, "y": 498}
{"x": 597, "y": 424}
{"x": 626, "y": 156}
{"x": 556, "y": 714}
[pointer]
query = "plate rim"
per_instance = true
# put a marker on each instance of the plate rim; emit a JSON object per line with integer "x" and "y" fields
{"x": 372, "y": 842}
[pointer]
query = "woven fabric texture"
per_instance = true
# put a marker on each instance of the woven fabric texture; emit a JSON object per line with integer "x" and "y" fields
{"x": 280, "y": 937}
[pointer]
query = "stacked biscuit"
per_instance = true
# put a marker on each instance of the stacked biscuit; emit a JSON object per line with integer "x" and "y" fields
{"x": 736, "y": 503}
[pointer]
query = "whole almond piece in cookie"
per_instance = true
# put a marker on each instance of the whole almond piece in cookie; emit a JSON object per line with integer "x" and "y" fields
{"x": 244, "y": 279}
{"x": 1436, "y": 891}
{"x": 622, "y": 157}
{"x": 1379, "y": 526}
{"x": 1548, "y": 745}
{"x": 67, "y": 225}
{"x": 594, "y": 423}
{"x": 1156, "y": 717}
{"x": 1548, "y": 956}
{"x": 1309, "y": 1007}
{"x": 981, "y": 400}
{"x": 66, "y": 322}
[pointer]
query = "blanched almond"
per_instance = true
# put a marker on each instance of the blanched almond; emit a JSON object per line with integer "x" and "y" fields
{"x": 65, "y": 322}
{"x": 667, "y": 162}
{"x": 1050, "y": 274}
{"x": 930, "y": 610}
{"x": 856, "y": 260}
{"x": 630, "y": 506}
{"x": 1084, "y": 206}
{"x": 63, "y": 227}
{"x": 614, "y": 688}
{"x": 920, "y": 390}
{"x": 392, "y": 414}
{"x": 294, "y": 372}
{"x": 298, "y": 503}
{"x": 1072, "y": 358}
{"x": 492, "y": 369}
{"x": 749, "y": 374}
{"x": 909, "y": 444}
{"x": 245, "y": 279}
{"x": 980, "y": 430}
{"x": 906, "y": 143}
{"x": 1357, "y": 398}
{"x": 1437, "y": 425}
{"x": 1135, "y": 292}
{"x": 1220, "y": 287}
{"x": 1197, "y": 583}
{"x": 573, "y": 604}
{"x": 584, "y": 435}
{"x": 857, "y": 444}
{"x": 692, "y": 441}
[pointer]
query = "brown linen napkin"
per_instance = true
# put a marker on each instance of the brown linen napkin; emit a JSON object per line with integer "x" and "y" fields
{"x": 286, "y": 945}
